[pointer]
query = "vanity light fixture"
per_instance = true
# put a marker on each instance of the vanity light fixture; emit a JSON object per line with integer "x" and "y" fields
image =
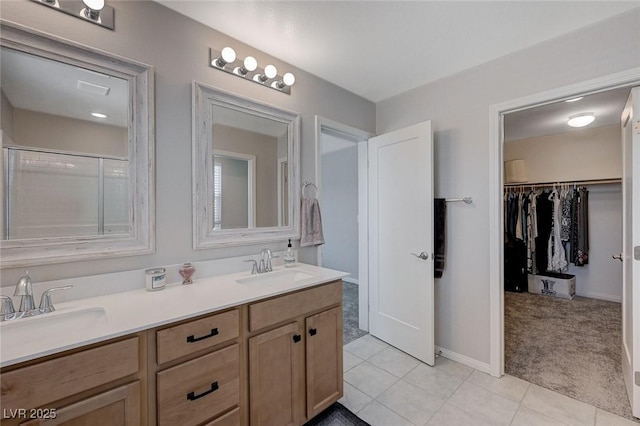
{"x": 580, "y": 120}
{"x": 249, "y": 70}
{"x": 94, "y": 11}
{"x": 99, "y": 115}
{"x": 250, "y": 64}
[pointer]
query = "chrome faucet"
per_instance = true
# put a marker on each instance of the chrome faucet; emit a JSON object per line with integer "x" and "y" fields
{"x": 27, "y": 308}
{"x": 25, "y": 290}
{"x": 265, "y": 262}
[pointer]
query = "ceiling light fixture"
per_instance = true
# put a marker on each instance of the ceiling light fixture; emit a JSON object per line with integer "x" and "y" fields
{"x": 99, "y": 115}
{"x": 574, "y": 99}
{"x": 581, "y": 120}
{"x": 94, "y": 11}
{"x": 249, "y": 70}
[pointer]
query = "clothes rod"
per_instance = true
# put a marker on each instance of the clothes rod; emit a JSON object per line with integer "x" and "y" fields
{"x": 574, "y": 182}
{"x": 466, "y": 200}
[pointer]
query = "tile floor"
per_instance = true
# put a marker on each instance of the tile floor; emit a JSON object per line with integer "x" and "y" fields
{"x": 387, "y": 387}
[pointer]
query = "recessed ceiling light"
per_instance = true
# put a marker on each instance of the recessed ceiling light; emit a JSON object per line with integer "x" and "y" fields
{"x": 581, "y": 120}
{"x": 99, "y": 115}
{"x": 574, "y": 99}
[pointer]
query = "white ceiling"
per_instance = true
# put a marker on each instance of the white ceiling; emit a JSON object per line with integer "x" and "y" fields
{"x": 552, "y": 119}
{"x": 37, "y": 84}
{"x": 378, "y": 49}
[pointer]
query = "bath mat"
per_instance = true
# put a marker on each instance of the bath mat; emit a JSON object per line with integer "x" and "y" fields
{"x": 336, "y": 415}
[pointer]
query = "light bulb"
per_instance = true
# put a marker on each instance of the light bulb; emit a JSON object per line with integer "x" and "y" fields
{"x": 94, "y": 4}
{"x": 250, "y": 63}
{"x": 228, "y": 55}
{"x": 289, "y": 79}
{"x": 581, "y": 120}
{"x": 99, "y": 115}
{"x": 270, "y": 71}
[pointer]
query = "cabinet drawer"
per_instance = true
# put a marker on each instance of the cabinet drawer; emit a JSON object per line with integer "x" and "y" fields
{"x": 232, "y": 418}
{"x": 48, "y": 381}
{"x": 274, "y": 311}
{"x": 185, "y": 339}
{"x": 200, "y": 389}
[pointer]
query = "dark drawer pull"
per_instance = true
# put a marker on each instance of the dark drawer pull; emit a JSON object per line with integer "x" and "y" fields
{"x": 296, "y": 338}
{"x": 191, "y": 396}
{"x": 192, "y": 338}
{"x": 313, "y": 331}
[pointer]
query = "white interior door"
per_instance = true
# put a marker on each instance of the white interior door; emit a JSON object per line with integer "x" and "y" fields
{"x": 631, "y": 248}
{"x": 401, "y": 223}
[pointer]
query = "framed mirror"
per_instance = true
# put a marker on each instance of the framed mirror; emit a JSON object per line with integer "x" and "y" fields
{"x": 78, "y": 151}
{"x": 245, "y": 170}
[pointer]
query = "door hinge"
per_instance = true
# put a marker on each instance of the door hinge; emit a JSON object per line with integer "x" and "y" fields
{"x": 636, "y": 127}
{"x": 637, "y": 378}
{"x": 636, "y": 252}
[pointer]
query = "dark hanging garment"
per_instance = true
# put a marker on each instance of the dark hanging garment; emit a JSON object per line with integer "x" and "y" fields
{"x": 515, "y": 265}
{"x": 512, "y": 215}
{"x": 582, "y": 249}
{"x": 440, "y": 214}
{"x": 544, "y": 212}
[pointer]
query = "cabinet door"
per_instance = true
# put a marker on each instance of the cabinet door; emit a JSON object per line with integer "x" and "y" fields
{"x": 116, "y": 407}
{"x": 324, "y": 360}
{"x": 276, "y": 394}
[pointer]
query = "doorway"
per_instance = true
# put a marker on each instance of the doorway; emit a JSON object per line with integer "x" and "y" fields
{"x": 498, "y": 113}
{"x": 341, "y": 172}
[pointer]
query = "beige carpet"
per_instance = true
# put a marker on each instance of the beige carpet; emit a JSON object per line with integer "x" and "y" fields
{"x": 572, "y": 347}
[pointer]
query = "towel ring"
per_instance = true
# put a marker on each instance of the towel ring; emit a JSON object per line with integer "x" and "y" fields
{"x": 304, "y": 186}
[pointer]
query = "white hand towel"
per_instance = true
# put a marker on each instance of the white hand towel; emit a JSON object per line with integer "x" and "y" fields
{"x": 311, "y": 223}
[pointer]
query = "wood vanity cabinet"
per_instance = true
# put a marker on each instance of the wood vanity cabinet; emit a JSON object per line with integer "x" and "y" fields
{"x": 97, "y": 385}
{"x": 295, "y": 355}
{"x": 274, "y": 362}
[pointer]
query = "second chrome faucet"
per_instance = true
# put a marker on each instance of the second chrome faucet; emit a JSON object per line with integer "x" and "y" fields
{"x": 24, "y": 289}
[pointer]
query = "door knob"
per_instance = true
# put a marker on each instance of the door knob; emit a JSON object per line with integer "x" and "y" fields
{"x": 423, "y": 255}
{"x": 619, "y": 257}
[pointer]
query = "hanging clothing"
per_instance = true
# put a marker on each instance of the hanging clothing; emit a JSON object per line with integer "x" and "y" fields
{"x": 566, "y": 195}
{"x": 544, "y": 223}
{"x": 557, "y": 256}
{"x": 519, "y": 235}
{"x": 582, "y": 226}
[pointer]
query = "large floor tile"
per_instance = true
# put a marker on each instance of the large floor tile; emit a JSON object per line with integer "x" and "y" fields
{"x": 410, "y": 402}
{"x": 349, "y": 361}
{"x": 353, "y": 399}
{"x": 604, "y": 418}
{"x": 394, "y": 361}
{"x": 450, "y": 415}
{"x": 528, "y": 417}
{"x": 438, "y": 383}
{"x": 369, "y": 379}
{"x": 508, "y": 386}
{"x": 453, "y": 367}
{"x": 484, "y": 405}
{"x": 366, "y": 347}
{"x": 377, "y": 414}
{"x": 559, "y": 407}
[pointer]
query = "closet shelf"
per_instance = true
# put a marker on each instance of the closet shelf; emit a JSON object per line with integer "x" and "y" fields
{"x": 572, "y": 182}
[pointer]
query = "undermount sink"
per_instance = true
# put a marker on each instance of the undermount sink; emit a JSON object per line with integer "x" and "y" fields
{"x": 54, "y": 323}
{"x": 286, "y": 276}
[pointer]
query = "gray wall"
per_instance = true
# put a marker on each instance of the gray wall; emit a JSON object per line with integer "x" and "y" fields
{"x": 6, "y": 115}
{"x": 339, "y": 204}
{"x": 178, "y": 48}
{"x": 41, "y": 130}
{"x": 459, "y": 107}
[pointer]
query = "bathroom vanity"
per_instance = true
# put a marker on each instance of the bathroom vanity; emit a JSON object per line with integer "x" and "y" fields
{"x": 266, "y": 351}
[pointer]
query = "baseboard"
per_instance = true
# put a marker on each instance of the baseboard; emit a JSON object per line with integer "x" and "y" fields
{"x": 351, "y": 280}
{"x": 463, "y": 359}
{"x": 600, "y": 296}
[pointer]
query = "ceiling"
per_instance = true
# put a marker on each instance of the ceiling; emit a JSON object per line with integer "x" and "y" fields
{"x": 552, "y": 119}
{"x": 43, "y": 85}
{"x": 378, "y": 49}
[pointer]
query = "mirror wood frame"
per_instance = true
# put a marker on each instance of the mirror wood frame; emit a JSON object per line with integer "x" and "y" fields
{"x": 204, "y": 237}
{"x": 141, "y": 237}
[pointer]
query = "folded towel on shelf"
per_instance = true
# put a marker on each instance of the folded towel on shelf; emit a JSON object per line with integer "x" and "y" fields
{"x": 311, "y": 223}
{"x": 439, "y": 216}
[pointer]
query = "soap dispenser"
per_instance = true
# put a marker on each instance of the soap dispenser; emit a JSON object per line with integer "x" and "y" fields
{"x": 289, "y": 256}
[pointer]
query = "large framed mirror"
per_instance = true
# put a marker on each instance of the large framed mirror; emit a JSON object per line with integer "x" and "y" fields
{"x": 245, "y": 170}
{"x": 77, "y": 135}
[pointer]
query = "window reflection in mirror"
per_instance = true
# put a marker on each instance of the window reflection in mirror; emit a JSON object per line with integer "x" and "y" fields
{"x": 250, "y": 189}
{"x": 65, "y": 140}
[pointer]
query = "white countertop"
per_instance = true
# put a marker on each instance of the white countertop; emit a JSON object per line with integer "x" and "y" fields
{"x": 82, "y": 322}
